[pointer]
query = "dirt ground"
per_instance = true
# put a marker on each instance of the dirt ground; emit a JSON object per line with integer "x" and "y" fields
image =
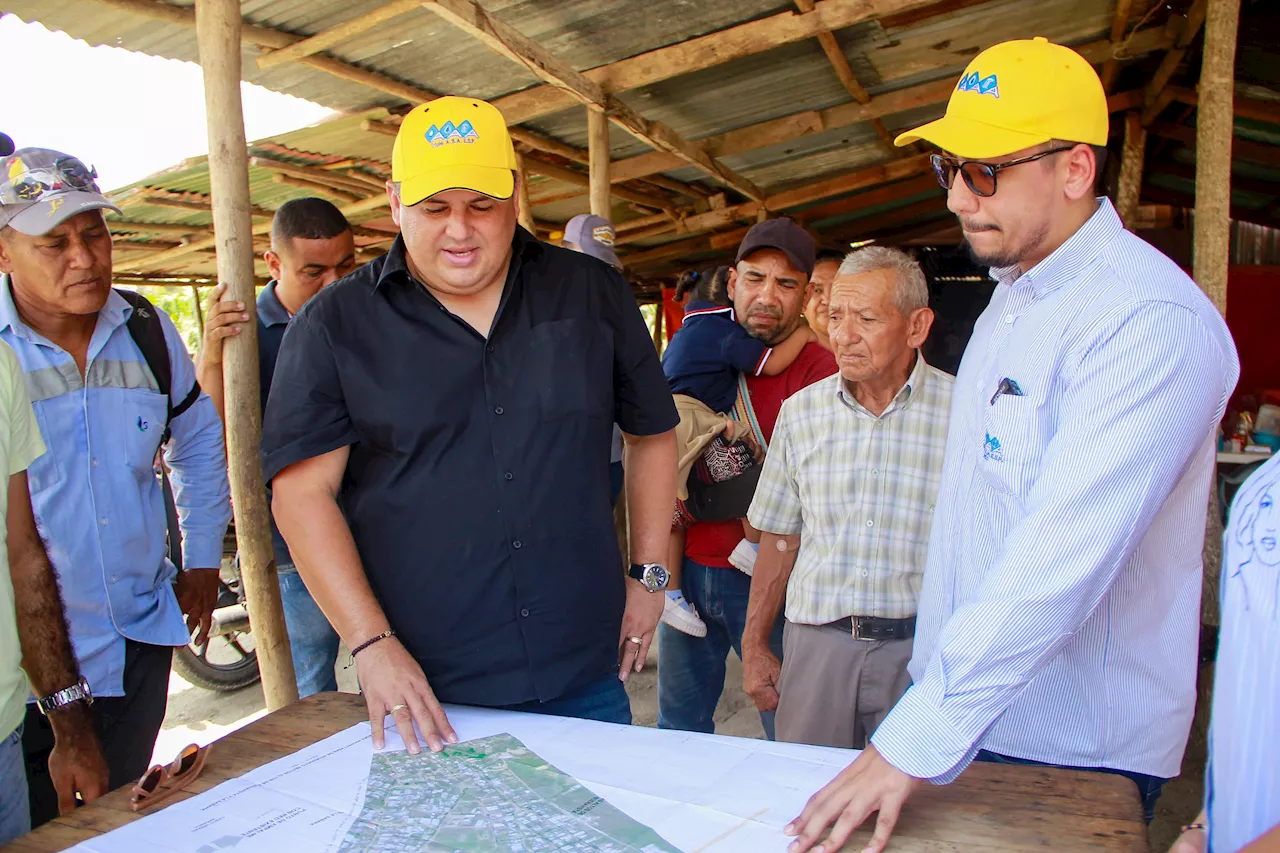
{"x": 200, "y": 716}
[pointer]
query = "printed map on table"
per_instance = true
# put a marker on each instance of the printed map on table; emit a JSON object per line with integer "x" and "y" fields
{"x": 487, "y": 796}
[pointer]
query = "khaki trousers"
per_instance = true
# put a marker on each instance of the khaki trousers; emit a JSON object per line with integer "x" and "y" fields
{"x": 835, "y": 690}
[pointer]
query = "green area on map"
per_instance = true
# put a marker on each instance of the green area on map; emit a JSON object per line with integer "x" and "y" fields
{"x": 487, "y": 796}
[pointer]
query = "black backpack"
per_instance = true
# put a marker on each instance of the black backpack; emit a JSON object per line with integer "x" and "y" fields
{"x": 148, "y": 334}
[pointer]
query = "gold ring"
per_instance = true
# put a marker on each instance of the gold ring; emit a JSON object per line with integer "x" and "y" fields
{"x": 399, "y": 707}
{"x": 639, "y": 641}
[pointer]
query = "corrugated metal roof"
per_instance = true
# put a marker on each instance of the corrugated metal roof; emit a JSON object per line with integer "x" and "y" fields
{"x": 424, "y": 50}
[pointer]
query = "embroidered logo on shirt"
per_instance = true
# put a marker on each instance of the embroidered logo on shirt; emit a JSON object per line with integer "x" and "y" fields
{"x": 991, "y": 449}
{"x": 143, "y": 426}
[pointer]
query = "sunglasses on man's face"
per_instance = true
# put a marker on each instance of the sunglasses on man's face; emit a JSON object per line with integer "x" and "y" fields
{"x": 980, "y": 177}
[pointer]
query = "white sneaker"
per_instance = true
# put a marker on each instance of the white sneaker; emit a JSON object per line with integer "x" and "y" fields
{"x": 680, "y": 614}
{"x": 743, "y": 557}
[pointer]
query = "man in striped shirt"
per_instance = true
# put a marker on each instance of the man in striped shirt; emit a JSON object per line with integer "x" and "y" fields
{"x": 1059, "y": 616}
{"x": 850, "y": 480}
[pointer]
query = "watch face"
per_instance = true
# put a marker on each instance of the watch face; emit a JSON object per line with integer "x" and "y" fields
{"x": 656, "y": 577}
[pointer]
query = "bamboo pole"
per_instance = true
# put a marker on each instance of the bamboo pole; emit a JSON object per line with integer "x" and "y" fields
{"x": 218, "y": 38}
{"x": 1214, "y": 129}
{"x": 598, "y": 151}
{"x": 1129, "y": 188}
{"x": 525, "y": 208}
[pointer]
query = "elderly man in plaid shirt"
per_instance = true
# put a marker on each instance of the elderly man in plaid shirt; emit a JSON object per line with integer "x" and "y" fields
{"x": 845, "y": 502}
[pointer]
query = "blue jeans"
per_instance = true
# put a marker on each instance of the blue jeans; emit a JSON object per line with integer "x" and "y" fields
{"x": 1149, "y": 787}
{"x": 604, "y": 700}
{"x": 691, "y": 669}
{"x": 312, "y": 640}
{"x": 15, "y": 815}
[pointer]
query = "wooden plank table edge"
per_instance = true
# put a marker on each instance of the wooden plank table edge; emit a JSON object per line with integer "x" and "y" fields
{"x": 1023, "y": 799}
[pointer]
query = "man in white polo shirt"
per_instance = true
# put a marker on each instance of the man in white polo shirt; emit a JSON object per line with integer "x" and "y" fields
{"x": 1059, "y": 617}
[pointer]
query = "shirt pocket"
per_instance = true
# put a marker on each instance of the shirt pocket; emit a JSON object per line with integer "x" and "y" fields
{"x": 138, "y": 418}
{"x": 571, "y": 368}
{"x": 1016, "y": 435}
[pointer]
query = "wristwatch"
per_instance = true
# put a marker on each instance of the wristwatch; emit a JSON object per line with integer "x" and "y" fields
{"x": 61, "y": 698}
{"x": 654, "y": 576}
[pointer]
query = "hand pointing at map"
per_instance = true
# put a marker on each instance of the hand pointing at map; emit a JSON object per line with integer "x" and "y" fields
{"x": 393, "y": 683}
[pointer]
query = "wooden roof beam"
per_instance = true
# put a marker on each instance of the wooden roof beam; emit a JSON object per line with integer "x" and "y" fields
{"x": 191, "y": 205}
{"x": 1245, "y": 149}
{"x": 702, "y": 52}
{"x": 844, "y": 71}
{"x": 320, "y": 177}
{"x": 799, "y": 125}
{"x": 290, "y": 180}
{"x": 1153, "y": 103}
{"x": 1268, "y": 111}
{"x": 505, "y": 40}
{"x": 272, "y": 39}
{"x": 152, "y": 261}
{"x": 1119, "y": 21}
{"x": 322, "y": 41}
{"x": 117, "y": 226}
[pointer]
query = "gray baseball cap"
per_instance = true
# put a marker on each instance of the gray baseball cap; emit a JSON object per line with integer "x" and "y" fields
{"x": 41, "y": 188}
{"x": 594, "y": 235}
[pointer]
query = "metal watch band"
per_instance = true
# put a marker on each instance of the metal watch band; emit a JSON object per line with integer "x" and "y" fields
{"x": 61, "y": 698}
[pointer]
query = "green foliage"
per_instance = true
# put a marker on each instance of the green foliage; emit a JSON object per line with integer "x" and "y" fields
{"x": 180, "y": 304}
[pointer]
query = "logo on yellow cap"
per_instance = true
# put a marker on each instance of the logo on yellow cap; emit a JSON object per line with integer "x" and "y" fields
{"x": 982, "y": 85}
{"x": 463, "y": 133}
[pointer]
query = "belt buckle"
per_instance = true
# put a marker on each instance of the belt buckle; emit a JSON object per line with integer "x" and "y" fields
{"x": 857, "y": 631}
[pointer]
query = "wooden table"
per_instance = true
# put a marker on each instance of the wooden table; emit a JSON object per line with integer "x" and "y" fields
{"x": 990, "y": 807}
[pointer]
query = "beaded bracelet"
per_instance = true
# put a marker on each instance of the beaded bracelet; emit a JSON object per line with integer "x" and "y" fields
{"x": 1203, "y": 827}
{"x": 369, "y": 642}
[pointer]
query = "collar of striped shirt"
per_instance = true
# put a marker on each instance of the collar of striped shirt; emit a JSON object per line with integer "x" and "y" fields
{"x": 1067, "y": 262}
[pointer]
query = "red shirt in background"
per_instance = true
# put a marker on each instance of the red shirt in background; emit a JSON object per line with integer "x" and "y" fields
{"x": 710, "y": 543}
{"x": 672, "y": 312}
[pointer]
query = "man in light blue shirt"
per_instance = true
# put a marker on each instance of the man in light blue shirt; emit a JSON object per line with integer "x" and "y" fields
{"x": 1059, "y": 615}
{"x": 98, "y": 504}
{"x": 1242, "y": 786}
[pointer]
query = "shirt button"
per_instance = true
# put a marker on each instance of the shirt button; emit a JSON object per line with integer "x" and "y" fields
{"x": 103, "y": 522}
{"x": 864, "y": 573}
{"x": 510, "y": 476}
{"x": 498, "y": 410}
{"x": 1008, "y": 318}
{"x": 525, "y": 613}
{"x": 95, "y": 463}
{"x": 875, "y": 472}
{"x": 516, "y": 544}
{"x": 490, "y": 348}
{"x": 870, "y": 523}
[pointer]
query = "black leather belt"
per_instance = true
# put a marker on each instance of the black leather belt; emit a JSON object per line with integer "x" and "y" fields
{"x": 876, "y": 628}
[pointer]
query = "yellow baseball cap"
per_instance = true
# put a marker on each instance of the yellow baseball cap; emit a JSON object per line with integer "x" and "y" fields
{"x": 1017, "y": 95}
{"x": 453, "y": 143}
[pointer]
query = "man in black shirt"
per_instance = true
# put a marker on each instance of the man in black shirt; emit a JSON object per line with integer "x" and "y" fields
{"x": 437, "y": 437}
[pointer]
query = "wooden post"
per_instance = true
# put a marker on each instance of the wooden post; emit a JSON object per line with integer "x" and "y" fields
{"x": 598, "y": 151}
{"x": 218, "y": 38}
{"x": 1211, "y": 242}
{"x": 1212, "y": 239}
{"x": 1130, "y": 185}
{"x": 522, "y": 198}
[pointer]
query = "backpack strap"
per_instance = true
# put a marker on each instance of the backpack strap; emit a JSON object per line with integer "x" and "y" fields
{"x": 148, "y": 333}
